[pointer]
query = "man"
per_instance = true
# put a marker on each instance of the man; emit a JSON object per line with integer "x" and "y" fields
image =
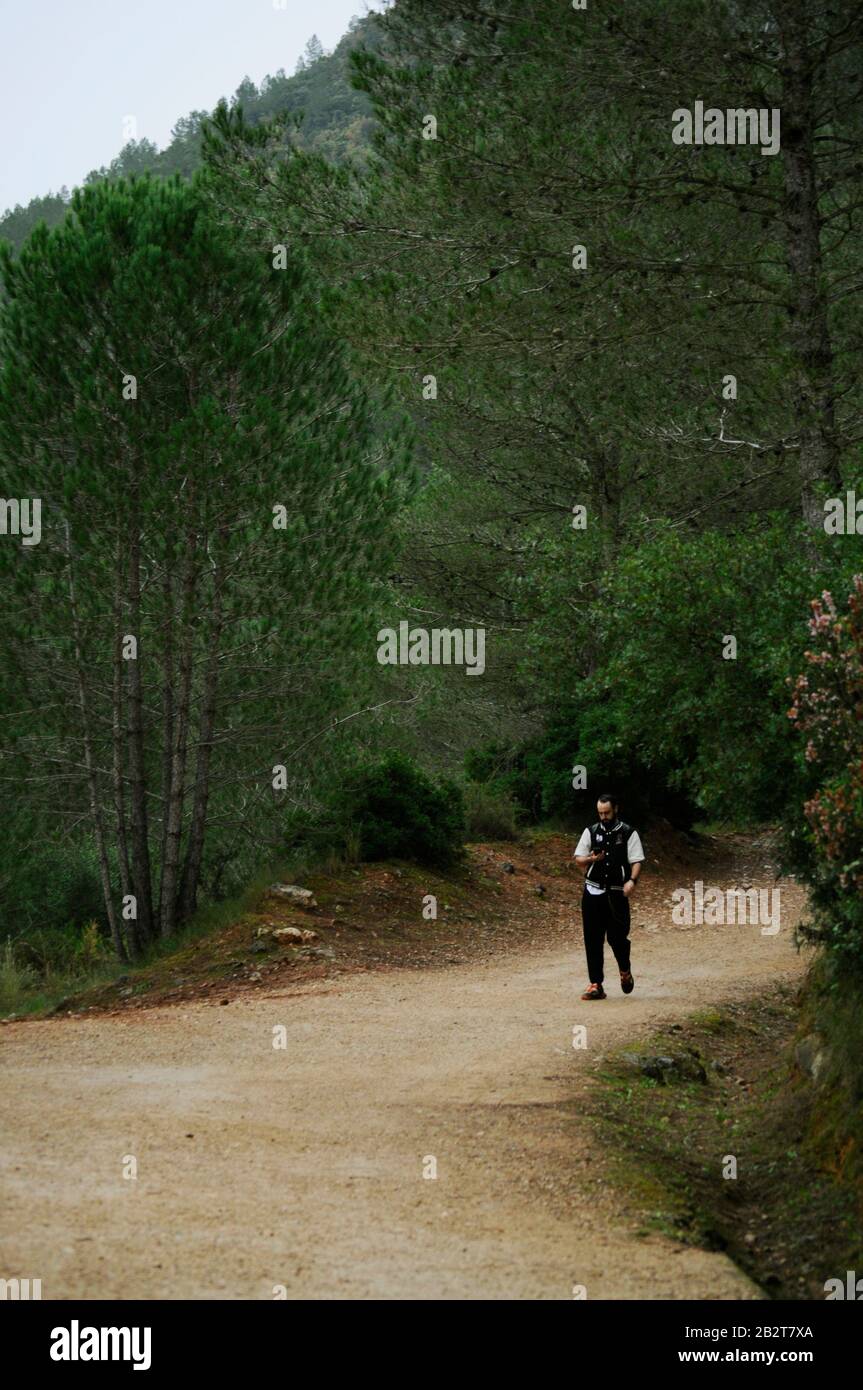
{"x": 612, "y": 853}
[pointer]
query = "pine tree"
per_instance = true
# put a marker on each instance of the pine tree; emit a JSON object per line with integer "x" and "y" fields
{"x": 217, "y": 502}
{"x": 313, "y": 50}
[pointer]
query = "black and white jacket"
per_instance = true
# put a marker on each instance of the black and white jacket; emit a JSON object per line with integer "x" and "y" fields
{"x": 623, "y": 848}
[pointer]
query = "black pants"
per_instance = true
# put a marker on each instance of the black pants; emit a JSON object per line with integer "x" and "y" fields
{"x": 605, "y": 914}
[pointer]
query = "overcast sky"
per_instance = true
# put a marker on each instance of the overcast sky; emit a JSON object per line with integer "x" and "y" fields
{"x": 73, "y": 71}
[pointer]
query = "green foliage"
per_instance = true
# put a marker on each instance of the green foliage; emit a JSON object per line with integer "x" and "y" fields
{"x": 714, "y": 721}
{"x": 48, "y": 885}
{"x": 534, "y": 775}
{"x": 17, "y": 224}
{"x": 399, "y": 812}
{"x": 17, "y": 981}
{"x": 538, "y": 773}
{"x": 489, "y": 814}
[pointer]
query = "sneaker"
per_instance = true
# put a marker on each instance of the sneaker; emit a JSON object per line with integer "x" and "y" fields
{"x": 627, "y": 984}
{"x": 594, "y": 992}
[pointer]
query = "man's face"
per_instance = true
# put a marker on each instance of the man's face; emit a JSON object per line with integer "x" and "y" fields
{"x": 607, "y": 811}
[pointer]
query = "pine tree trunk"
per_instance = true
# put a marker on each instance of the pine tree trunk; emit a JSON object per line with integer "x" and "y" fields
{"x": 810, "y": 333}
{"x": 95, "y": 809}
{"x": 174, "y": 829}
{"x": 167, "y": 712}
{"x": 195, "y": 848}
{"x": 131, "y": 928}
{"x": 137, "y": 766}
{"x": 607, "y": 482}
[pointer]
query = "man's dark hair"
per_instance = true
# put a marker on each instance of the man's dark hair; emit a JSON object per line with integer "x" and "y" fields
{"x": 610, "y": 798}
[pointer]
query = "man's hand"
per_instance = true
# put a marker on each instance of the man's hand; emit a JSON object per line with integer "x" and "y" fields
{"x": 583, "y": 860}
{"x": 628, "y": 886}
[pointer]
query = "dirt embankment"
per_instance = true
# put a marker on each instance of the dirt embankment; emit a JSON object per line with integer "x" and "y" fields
{"x": 505, "y": 897}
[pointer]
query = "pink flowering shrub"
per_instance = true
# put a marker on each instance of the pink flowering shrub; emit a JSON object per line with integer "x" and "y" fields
{"x": 827, "y": 709}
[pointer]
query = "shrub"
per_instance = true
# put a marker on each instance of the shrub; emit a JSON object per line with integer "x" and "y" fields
{"x": 93, "y": 948}
{"x": 15, "y": 980}
{"x": 51, "y": 908}
{"x": 490, "y": 814}
{"x": 46, "y": 886}
{"x": 828, "y": 710}
{"x": 537, "y": 775}
{"x": 399, "y": 812}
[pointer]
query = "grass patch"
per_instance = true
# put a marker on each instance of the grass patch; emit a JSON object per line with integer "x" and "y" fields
{"x": 785, "y": 1219}
{"x": 25, "y": 991}
{"x": 832, "y": 1010}
{"x": 489, "y": 814}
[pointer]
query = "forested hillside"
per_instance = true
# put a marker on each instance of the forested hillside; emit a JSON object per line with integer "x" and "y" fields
{"x": 329, "y": 115}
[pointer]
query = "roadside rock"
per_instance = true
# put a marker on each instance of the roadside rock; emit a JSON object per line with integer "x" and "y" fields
{"x": 683, "y": 1066}
{"x": 295, "y": 934}
{"x": 812, "y": 1057}
{"x": 303, "y": 897}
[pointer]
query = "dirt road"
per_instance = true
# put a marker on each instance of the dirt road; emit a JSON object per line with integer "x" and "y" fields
{"x": 305, "y": 1167}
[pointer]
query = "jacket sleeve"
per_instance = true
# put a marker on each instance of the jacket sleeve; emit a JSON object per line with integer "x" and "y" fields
{"x": 583, "y": 846}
